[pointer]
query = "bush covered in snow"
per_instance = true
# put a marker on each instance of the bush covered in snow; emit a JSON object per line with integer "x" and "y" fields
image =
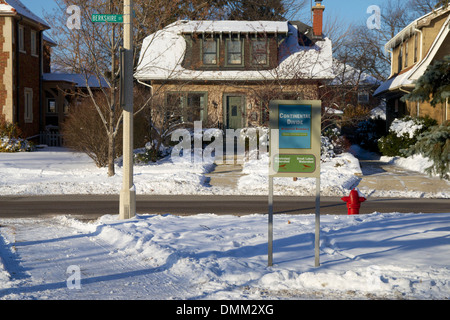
{"x": 434, "y": 144}
{"x": 403, "y": 134}
{"x": 332, "y": 144}
{"x": 10, "y": 140}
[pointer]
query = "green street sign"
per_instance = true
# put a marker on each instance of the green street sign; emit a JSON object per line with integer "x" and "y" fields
{"x": 113, "y": 18}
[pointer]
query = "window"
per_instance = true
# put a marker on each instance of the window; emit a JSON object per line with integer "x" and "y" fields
{"x": 186, "y": 106}
{"x": 400, "y": 59}
{"x": 33, "y": 43}
{"x": 28, "y": 112}
{"x": 234, "y": 52}
{"x": 210, "y": 52}
{"x": 416, "y": 43}
{"x": 51, "y": 106}
{"x": 363, "y": 97}
{"x": 21, "y": 39}
{"x": 259, "y": 52}
{"x": 406, "y": 54}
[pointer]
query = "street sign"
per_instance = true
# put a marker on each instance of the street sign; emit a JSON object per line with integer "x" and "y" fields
{"x": 113, "y": 18}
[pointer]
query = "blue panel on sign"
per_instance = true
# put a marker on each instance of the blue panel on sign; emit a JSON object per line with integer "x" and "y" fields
{"x": 294, "y": 124}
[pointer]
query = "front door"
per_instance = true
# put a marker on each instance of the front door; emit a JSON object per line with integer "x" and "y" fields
{"x": 234, "y": 112}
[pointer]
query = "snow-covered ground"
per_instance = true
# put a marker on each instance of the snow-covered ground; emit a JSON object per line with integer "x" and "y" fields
{"x": 387, "y": 256}
{"x": 60, "y": 171}
{"x": 206, "y": 256}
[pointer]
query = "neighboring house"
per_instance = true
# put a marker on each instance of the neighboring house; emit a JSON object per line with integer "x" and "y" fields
{"x": 413, "y": 49}
{"x": 350, "y": 87}
{"x": 224, "y": 73}
{"x": 30, "y": 95}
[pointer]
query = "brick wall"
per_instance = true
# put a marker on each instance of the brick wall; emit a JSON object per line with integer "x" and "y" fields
{"x": 4, "y": 56}
{"x": 29, "y": 77}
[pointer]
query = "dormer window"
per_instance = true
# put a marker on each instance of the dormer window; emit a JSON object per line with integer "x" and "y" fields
{"x": 259, "y": 52}
{"x": 210, "y": 51}
{"x": 234, "y": 52}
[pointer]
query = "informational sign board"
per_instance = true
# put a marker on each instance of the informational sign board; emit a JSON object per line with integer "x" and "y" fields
{"x": 295, "y": 127}
{"x": 295, "y": 138}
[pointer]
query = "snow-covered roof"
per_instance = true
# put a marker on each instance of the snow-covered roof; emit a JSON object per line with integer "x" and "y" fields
{"x": 347, "y": 75}
{"x": 408, "y": 78}
{"x": 78, "y": 79}
{"x": 226, "y": 26}
{"x": 411, "y": 28}
{"x": 15, "y": 6}
{"x": 162, "y": 54}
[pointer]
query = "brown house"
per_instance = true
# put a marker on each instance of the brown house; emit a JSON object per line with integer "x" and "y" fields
{"x": 413, "y": 49}
{"x": 224, "y": 73}
{"x": 30, "y": 95}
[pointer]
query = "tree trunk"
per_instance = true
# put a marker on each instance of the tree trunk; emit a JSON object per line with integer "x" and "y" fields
{"x": 111, "y": 147}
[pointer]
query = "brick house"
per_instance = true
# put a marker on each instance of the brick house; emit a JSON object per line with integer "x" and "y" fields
{"x": 413, "y": 49}
{"x": 21, "y": 64}
{"x": 224, "y": 73}
{"x": 30, "y": 95}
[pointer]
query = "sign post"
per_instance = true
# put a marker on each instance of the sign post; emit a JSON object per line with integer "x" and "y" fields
{"x": 295, "y": 127}
{"x": 127, "y": 208}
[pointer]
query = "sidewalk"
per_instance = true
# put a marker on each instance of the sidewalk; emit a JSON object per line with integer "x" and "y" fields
{"x": 381, "y": 179}
{"x": 225, "y": 175}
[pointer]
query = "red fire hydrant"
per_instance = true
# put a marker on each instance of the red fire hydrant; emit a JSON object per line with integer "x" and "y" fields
{"x": 353, "y": 202}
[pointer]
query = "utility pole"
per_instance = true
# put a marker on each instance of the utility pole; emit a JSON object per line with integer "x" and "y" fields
{"x": 128, "y": 192}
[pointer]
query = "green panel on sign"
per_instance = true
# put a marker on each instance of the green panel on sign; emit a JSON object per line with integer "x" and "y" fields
{"x": 295, "y": 163}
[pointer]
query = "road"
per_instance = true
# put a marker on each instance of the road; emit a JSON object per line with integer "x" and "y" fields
{"x": 93, "y": 206}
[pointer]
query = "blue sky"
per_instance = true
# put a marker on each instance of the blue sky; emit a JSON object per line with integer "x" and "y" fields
{"x": 350, "y": 10}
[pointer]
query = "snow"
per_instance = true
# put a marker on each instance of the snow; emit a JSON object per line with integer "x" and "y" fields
{"x": 209, "y": 256}
{"x": 60, "y": 171}
{"x": 337, "y": 177}
{"x": 206, "y": 256}
{"x": 415, "y": 162}
{"x": 403, "y": 126}
{"x": 234, "y": 26}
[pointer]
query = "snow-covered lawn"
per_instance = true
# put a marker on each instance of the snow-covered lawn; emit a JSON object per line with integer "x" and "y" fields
{"x": 388, "y": 256}
{"x": 61, "y": 171}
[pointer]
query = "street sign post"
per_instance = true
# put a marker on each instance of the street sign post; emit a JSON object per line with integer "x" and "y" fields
{"x": 113, "y": 18}
{"x": 128, "y": 193}
{"x": 295, "y": 129}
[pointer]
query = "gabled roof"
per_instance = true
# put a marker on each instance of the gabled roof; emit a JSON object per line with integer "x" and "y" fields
{"x": 407, "y": 77}
{"x": 162, "y": 53}
{"x": 410, "y": 29}
{"x": 13, "y": 7}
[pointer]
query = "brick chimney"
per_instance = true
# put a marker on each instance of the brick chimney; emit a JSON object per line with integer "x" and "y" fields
{"x": 318, "y": 19}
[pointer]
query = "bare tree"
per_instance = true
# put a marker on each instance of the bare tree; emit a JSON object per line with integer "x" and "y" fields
{"x": 93, "y": 49}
